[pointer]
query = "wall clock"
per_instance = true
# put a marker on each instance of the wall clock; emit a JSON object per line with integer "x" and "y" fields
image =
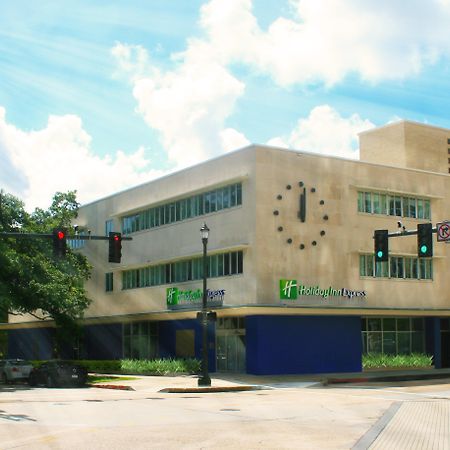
{"x": 307, "y": 220}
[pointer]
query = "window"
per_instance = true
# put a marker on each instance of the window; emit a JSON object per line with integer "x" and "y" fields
{"x": 393, "y": 336}
{"x": 219, "y": 265}
{"x": 109, "y": 279}
{"x": 197, "y": 205}
{"x": 140, "y": 340}
{"x": 394, "y": 205}
{"x": 109, "y": 227}
{"x": 397, "y": 267}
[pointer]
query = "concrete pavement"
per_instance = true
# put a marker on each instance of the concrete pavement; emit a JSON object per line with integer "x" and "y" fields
{"x": 423, "y": 424}
{"x": 282, "y": 412}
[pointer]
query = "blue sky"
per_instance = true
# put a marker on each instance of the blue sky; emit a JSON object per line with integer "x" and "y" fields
{"x": 132, "y": 90}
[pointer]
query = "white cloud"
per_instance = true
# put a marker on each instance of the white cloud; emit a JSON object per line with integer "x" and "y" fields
{"x": 187, "y": 105}
{"x": 58, "y": 158}
{"x": 328, "y": 39}
{"x": 319, "y": 42}
{"x": 326, "y": 131}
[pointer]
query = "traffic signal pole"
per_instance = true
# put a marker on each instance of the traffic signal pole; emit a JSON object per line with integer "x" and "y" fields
{"x": 6, "y": 235}
{"x": 406, "y": 233}
{"x": 59, "y": 238}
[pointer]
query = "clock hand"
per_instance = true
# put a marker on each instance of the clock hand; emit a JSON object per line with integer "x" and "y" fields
{"x": 302, "y": 211}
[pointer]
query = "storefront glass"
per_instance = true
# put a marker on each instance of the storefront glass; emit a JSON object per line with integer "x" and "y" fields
{"x": 393, "y": 336}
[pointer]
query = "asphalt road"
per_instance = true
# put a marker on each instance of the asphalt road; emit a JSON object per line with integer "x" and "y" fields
{"x": 289, "y": 416}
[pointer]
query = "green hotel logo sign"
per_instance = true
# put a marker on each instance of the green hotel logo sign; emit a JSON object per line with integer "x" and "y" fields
{"x": 292, "y": 289}
{"x": 288, "y": 289}
{"x": 179, "y": 299}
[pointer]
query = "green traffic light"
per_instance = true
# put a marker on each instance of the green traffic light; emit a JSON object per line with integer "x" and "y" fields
{"x": 380, "y": 254}
{"x": 423, "y": 249}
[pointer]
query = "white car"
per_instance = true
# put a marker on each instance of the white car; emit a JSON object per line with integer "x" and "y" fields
{"x": 14, "y": 369}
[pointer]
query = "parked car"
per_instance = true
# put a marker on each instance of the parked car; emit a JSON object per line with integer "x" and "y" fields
{"x": 14, "y": 369}
{"x": 58, "y": 373}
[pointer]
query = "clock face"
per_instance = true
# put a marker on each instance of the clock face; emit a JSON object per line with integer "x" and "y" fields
{"x": 304, "y": 226}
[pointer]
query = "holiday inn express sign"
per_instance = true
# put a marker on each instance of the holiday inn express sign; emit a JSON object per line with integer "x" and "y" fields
{"x": 179, "y": 299}
{"x": 292, "y": 290}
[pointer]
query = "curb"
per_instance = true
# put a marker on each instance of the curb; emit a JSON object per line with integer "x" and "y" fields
{"x": 119, "y": 387}
{"x": 210, "y": 389}
{"x": 411, "y": 377}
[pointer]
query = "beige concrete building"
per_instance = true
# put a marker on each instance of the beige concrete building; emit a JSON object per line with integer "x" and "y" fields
{"x": 291, "y": 274}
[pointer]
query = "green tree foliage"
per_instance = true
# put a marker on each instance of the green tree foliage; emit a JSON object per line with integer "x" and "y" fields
{"x": 31, "y": 279}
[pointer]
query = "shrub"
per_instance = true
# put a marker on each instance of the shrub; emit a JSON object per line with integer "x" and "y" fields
{"x": 139, "y": 366}
{"x": 160, "y": 366}
{"x": 379, "y": 361}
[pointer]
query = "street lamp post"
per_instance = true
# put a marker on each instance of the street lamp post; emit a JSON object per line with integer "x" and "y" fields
{"x": 204, "y": 380}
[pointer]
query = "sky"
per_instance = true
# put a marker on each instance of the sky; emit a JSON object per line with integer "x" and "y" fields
{"x": 98, "y": 96}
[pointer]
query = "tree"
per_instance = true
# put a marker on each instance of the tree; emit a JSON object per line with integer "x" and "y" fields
{"x": 31, "y": 279}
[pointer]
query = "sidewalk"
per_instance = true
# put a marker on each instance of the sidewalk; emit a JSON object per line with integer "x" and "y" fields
{"x": 221, "y": 382}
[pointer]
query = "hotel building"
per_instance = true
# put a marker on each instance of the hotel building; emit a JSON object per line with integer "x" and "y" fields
{"x": 291, "y": 273}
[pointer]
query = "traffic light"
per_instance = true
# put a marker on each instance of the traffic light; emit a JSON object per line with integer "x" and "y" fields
{"x": 381, "y": 245}
{"x": 115, "y": 247}
{"x": 59, "y": 242}
{"x": 425, "y": 240}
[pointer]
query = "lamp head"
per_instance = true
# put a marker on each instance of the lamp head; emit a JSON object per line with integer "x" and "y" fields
{"x": 204, "y": 232}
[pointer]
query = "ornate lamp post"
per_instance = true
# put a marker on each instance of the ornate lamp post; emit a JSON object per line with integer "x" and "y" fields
{"x": 204, "y": 380}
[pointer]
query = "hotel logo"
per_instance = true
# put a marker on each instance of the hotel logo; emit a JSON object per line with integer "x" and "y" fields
{"x": 293, "y": 289}
{"x": 288, "y": 289}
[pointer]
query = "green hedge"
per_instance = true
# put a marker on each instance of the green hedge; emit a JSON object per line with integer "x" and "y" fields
{"x": 160, "y": 366}
{"x": 135, "y": 366}
{"x": 380, "y": 361}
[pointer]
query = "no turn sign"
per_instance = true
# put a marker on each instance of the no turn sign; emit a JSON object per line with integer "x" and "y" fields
{"x": 443, "y": 231}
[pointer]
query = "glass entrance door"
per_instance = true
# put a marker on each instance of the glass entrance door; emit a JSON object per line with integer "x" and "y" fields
{"x": 230, "y": 345}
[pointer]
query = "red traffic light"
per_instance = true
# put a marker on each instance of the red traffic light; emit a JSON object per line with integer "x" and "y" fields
{"x": 59, "y": 242}
{"x": 115, "y": 247}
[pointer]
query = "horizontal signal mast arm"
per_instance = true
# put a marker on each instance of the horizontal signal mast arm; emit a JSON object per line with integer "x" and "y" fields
{"x": 405, "y": 233}
{"x": 6, "y": 235}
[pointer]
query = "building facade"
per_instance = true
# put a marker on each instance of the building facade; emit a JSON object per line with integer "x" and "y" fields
{"x": 291, "y": 270}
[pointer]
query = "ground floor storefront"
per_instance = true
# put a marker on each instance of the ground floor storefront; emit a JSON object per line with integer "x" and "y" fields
{"x": 260, "y": 344}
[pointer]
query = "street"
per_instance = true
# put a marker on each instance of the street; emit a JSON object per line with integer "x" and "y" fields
{"x": 282, "y": 415}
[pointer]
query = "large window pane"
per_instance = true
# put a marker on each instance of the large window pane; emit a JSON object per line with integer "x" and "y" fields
{"x": 383, "y": 204}
{"x": 403, "y": 324}
{"x": 389, "y": 343}
{"x": 362, "y": 265}
{"x": 233, "y": 195}
{"x": 213, "y": 206}
{"x": 412, "y": 208}
{"x": 389, "y": 324}
{"x": 382, "y": 269}
{"x": 404, "y": 343}
{"x": 376, "y": 204}
{"x": 219, "y": 199}
{"x": 396, "y": 267}
{"x": 417, "y": 342}
{"x": 226, "y": 197}
{"x": 398, "y": 206}
{"x": 374, "y": 324}
{"x": 239, "y": 194}
{"x": 360, "y": 201}
{"x": 420, "y": 208}
{"x": 374, "y": 342}
{"x": 367, "y": 202}
{"x": 427, "y": 210}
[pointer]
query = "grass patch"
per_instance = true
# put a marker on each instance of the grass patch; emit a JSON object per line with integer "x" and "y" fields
{"x": 105, "y": 379}
{"x": 380, "y": 361}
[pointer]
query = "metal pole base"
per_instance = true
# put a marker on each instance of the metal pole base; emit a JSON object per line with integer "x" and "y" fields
{"x": 204, "y": 381}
